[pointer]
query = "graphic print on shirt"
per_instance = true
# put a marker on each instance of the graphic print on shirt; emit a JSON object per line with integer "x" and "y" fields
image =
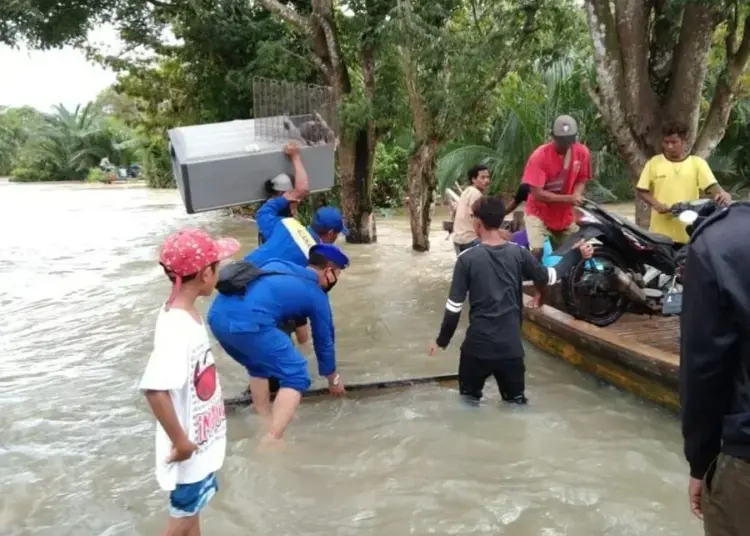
{"x": 204, "y": 379}
{"x": 555, "y": 184}
{"x": 301, "y": 236}
{"x": 208, "y": 417}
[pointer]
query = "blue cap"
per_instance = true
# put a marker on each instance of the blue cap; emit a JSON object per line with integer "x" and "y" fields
{"x": 332, "y": 254}
{"x": 330, "y": 218}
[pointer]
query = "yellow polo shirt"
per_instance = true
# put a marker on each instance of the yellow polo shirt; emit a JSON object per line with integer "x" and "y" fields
{"x": 674, "y": 182}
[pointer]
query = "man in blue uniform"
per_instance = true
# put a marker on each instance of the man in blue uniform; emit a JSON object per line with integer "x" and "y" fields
{"x": 276, "y": 187}
{"x": 283, "y": 236}
{"x": 248, "y": 328}
{"x": 294, "y": 189}
{"x": 289, "y": 240}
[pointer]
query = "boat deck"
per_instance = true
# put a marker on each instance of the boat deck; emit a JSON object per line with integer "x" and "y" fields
{"x": 659, "y": 332}
{"x": 655, "y": 331}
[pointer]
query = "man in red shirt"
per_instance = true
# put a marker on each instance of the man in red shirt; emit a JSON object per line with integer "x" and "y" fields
{"x": 557, "y": 173}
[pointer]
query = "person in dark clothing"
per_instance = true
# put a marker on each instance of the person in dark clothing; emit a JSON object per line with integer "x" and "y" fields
{"x": 492, "y": 273}
{"x": 715, "y": 371}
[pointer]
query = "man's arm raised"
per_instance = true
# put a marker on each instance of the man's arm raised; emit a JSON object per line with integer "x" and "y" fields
{"x": 301, "y": 181}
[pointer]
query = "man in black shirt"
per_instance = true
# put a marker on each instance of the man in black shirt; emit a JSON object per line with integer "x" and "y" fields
{"x": 715, "y": 371}
{"x": 492, "y": 273}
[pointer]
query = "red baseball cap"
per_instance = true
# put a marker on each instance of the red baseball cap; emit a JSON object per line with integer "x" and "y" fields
{"x": 189, "y": 251}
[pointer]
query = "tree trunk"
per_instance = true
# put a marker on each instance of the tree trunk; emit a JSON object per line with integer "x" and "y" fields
{"x": 423, "y": 161}
{"x": 422, "y": 167}
{"x": 642, "y": 213}
{"x": 356, "y": 160}
{"x": 355, "y": 154}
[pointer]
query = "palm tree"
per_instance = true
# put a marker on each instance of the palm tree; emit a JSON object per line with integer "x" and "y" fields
{"x": 70, "y": 142}
{"x": 730, "y": 161}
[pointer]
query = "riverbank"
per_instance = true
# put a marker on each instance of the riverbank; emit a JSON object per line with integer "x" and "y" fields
{"x": 121, "y": 184}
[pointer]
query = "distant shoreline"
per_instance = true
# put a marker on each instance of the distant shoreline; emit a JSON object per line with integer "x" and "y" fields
{"x": 115, "y": 184}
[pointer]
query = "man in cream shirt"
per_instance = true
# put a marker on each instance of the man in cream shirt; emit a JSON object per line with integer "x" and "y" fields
{"x": 464, "y": 236}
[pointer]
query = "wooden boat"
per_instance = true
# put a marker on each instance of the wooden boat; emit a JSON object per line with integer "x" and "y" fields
{"x": 639, "y": 354}
{"x": 357, "y": 390}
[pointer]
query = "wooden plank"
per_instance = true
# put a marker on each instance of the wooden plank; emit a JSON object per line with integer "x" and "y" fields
{"x": 357, "y": 390}
{"x": 659, "y": 332}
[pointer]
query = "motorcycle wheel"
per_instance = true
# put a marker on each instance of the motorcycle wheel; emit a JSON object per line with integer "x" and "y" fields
{"x": 590, "y": 294}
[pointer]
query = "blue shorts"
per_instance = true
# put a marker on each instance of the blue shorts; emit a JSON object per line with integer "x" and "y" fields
{"x": 268, "y": 353}
{"x": 188, "y": 500}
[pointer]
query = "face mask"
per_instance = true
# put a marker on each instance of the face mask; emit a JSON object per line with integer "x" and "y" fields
{"x": 331, "y": 284}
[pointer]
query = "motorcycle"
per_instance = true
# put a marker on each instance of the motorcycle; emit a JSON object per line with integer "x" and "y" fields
{"x": 632, "y": 270}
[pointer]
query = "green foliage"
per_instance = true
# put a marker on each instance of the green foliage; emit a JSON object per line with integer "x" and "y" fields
{"x": 156, "y": 166}
{"x": 389, "y": 182}
{"x": 16, "y": 125}
{"x": 208, "y": 77}
{"x": 63, "y": 145}
{"x": 97, "y": 175}
{"x": 22, "y": 174}
{"x": 49, "y": 23}
{"x": 730, "y": 161}
{"x": 461, "y": 52}
{"x": 354, "y": 112}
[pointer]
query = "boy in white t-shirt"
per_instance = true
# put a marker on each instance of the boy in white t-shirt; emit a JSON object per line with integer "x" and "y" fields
{"x": 181, "y": 383}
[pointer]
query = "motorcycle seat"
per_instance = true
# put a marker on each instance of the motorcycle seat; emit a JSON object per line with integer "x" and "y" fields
{"x": 662, "y": 240}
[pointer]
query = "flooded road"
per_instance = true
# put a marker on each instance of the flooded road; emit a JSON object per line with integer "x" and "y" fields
{"x": 79, "y": 291}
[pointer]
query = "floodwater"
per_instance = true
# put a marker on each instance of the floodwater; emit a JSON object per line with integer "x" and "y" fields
{"x": 79, "y": 291}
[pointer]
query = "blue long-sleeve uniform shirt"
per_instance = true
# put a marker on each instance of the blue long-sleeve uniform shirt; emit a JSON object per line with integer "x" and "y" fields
{"x": 285, "y": 238}
{"x": 272, "y": 300}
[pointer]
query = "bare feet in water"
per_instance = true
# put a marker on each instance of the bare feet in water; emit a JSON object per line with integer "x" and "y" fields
{"x": 268, "y": 443}
{"x": 265, "y": 423}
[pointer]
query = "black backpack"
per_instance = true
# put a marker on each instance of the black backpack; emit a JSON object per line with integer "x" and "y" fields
{"x": 236, "y": 276}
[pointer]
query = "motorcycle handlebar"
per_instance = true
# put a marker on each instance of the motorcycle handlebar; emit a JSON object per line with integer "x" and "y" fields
{"x": 699, "y": 205}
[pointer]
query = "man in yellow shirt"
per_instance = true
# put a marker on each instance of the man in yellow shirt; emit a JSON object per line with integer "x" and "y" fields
{"x": 672, "y": 177}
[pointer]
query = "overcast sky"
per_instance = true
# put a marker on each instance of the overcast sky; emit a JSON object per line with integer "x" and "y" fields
{"x": 44, "y": 78}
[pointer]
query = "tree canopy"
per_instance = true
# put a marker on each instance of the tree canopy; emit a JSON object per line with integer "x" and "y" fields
{"x": 424, "y": 89}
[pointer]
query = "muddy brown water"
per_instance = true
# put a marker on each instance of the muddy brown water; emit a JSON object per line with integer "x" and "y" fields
{"x": 79, "y": 291}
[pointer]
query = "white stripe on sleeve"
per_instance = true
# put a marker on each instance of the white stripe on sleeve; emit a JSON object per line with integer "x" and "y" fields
{"x": 453, "y": 307}
{"x": 552, "y": 273}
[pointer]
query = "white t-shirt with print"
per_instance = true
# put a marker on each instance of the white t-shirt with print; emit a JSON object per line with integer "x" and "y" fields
{"x": 183, "y": 364}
